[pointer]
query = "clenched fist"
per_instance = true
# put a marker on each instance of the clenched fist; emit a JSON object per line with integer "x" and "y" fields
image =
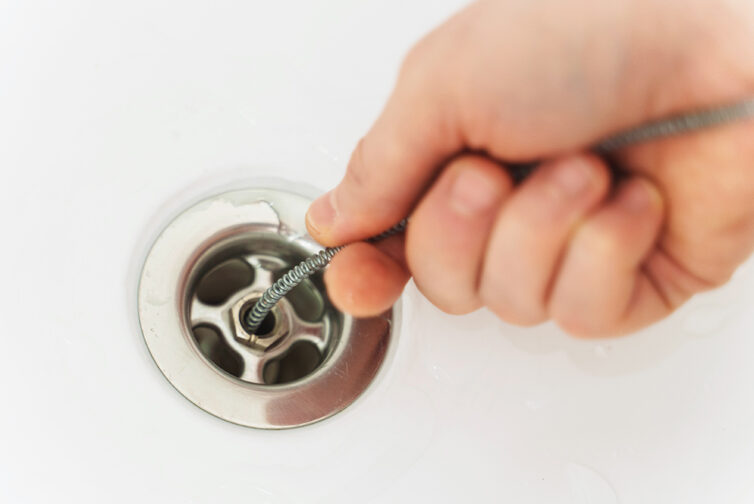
{"x": 514, "y": 81}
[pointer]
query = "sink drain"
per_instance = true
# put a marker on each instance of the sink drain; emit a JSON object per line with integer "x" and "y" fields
{"x": 204, "y": 273}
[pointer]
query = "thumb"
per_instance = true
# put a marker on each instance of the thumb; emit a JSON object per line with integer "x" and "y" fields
{"x": 390, "y": 166}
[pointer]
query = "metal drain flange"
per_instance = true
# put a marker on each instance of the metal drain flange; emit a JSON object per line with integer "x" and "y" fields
{"x": 206, "y": 270}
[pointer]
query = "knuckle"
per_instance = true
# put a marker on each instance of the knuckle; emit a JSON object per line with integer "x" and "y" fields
{"x": 716, "y": 281}
{"x": 413, "y": 60}
{"x": 457, "y": 306}
{"x": 575, "y": 326}
{"x": 443, "y": 277}
{"x": 362, "y": 188}
{"x": 500, "y": 303}
{"x": 599, "y": 241}
{"x": 451, "y": 297}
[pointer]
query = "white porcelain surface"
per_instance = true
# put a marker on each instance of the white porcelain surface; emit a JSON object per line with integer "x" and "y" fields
{"x": 115, "y": 115}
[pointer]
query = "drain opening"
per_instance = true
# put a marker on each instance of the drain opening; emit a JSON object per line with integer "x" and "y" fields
{"x": 214, "y": 347}
{"x": 301, "y": 360}
{"x": 223, "y": 281}
{"x": 265, "y": 328}
{"x": 227, "y": 280}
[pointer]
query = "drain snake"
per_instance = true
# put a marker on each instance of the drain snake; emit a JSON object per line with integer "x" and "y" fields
{"x": 671, "y": 126}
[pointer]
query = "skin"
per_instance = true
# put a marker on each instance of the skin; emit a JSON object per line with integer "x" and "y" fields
{"x": 519, "y": 81}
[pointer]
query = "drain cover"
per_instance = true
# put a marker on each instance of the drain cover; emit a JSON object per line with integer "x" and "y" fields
{"x": 206, "y": 270}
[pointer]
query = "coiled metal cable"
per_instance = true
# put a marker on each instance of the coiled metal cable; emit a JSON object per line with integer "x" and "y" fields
{"x": 299, "y": 273}
{"x": 676, "y": 125}
{"x": 658, "y": 129}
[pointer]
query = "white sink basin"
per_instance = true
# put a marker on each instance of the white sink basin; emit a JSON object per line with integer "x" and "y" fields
{"x": 114, "y": 116}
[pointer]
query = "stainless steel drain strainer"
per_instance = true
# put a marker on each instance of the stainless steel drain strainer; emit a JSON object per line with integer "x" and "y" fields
{"x": 206, "y": 270}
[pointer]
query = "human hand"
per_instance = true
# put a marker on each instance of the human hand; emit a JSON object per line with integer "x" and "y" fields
{"x": 516, "y": 81}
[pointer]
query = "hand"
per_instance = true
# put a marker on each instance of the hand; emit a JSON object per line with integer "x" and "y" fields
{"x": 515, "y": 81}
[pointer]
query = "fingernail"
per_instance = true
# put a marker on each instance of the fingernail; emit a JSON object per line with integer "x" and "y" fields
{"x": 640, "y": 196}
{"x": 473, "y": 192}
{"x": 321, "y": 214}
{"x": 573, "y": 176}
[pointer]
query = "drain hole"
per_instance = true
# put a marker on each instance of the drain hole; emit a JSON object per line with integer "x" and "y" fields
{"x": 266, "y": 327}
{"x": 223, "y": 281}
{"x": 213, "y": 346}
{"x": 299, "y": 361}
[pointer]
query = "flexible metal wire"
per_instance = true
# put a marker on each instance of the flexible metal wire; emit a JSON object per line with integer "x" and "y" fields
{"x": 671, "y": 126}
{"x": 298, "y": 274}
{"x": 676, "y": 125}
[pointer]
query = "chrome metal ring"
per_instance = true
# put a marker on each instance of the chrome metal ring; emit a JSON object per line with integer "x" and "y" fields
{"x": 204, "y": 271}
